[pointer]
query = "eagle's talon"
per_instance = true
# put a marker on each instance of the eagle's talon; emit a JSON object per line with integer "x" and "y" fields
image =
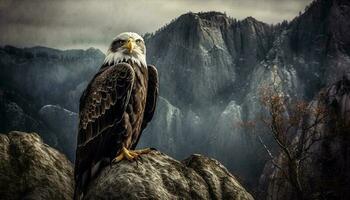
{"x": 118, "y": 158}
{"x": 131, "y": 155}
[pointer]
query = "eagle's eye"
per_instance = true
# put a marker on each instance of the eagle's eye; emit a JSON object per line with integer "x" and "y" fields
{"x": 118, "y": 42}
{"x": 138, "y": 41}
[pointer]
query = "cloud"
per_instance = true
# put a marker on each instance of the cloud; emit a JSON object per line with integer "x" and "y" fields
{"x": 84, "y": 23}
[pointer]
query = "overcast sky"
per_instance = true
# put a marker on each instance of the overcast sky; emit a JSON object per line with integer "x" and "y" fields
{"x": 68, "y": 24}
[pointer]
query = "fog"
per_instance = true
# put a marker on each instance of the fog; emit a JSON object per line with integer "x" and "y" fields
{"x": 92, "y": 23}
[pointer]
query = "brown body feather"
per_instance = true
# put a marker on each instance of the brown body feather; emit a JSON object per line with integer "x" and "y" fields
{"x": 114, "y": 109}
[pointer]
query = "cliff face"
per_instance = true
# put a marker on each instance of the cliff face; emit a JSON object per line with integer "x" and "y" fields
{"x": 196, "y": 49}
{"x": 206, "y": 61}
{"x": 315, "y": 45}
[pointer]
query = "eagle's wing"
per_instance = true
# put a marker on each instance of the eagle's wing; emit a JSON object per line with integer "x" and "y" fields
{"x": 101, "y": 110}
{"x": 152, "y": 97}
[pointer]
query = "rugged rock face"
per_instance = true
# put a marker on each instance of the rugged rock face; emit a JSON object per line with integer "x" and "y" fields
{"x": 203, "y": 47}
{"x": 32, "y": 170}
{"x": 208, "y": 63}
{"x": 158, "y": 176}
{"x": 211, "y": 60}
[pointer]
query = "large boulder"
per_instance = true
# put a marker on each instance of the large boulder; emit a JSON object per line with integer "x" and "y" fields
{"x": 157, "y": 176}
{"x": 30, "y": 169}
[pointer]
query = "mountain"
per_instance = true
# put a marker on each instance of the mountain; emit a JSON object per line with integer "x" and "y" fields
{"x": 211, "y": 69}
{"x": 204, "y": 57}
{"x": 212, "y": 66}
{"x": 50, "y": 76}
{"x": 31, "y": 78}
{"x": 205, "y": 61}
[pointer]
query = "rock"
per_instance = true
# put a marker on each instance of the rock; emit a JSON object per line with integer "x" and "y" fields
{"x": 15, "y": 115}
{"x": 30, "y": 169}
{"x": 64, "y": 124}
{"x": 203, "y": 47}
{"x": 157, "y": 176}
{"x": 20, "y": 113}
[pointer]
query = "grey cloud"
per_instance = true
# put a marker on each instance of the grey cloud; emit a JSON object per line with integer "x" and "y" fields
{"x": 84, "y": 23}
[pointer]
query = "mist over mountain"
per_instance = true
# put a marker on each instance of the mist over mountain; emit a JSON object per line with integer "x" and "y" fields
{"x": 211, "y": 68}
{"x": 31, "y": 78}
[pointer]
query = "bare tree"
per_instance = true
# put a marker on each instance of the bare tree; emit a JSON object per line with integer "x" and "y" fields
{"x": 285, "y": 120}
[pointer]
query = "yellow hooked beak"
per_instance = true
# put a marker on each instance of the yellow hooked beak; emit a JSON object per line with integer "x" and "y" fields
{"x": 130, "y": 44}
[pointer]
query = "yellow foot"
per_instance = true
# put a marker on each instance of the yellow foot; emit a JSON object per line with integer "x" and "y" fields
{"x": 130, "y": 154}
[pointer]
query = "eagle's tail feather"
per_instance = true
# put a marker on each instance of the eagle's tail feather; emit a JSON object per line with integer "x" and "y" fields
{"x": 82, "y": 183}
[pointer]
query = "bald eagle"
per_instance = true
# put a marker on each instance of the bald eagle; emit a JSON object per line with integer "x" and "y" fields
{"x": 114, "y": 109}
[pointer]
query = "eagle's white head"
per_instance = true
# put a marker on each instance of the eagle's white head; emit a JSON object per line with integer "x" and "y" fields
{"x": 127, "y": 46}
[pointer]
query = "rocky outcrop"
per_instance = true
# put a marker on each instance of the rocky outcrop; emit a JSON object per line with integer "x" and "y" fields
{"x": 32, "y": 170}
{"x": 157, "y": 176}
{"x": 18, "y": 112}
